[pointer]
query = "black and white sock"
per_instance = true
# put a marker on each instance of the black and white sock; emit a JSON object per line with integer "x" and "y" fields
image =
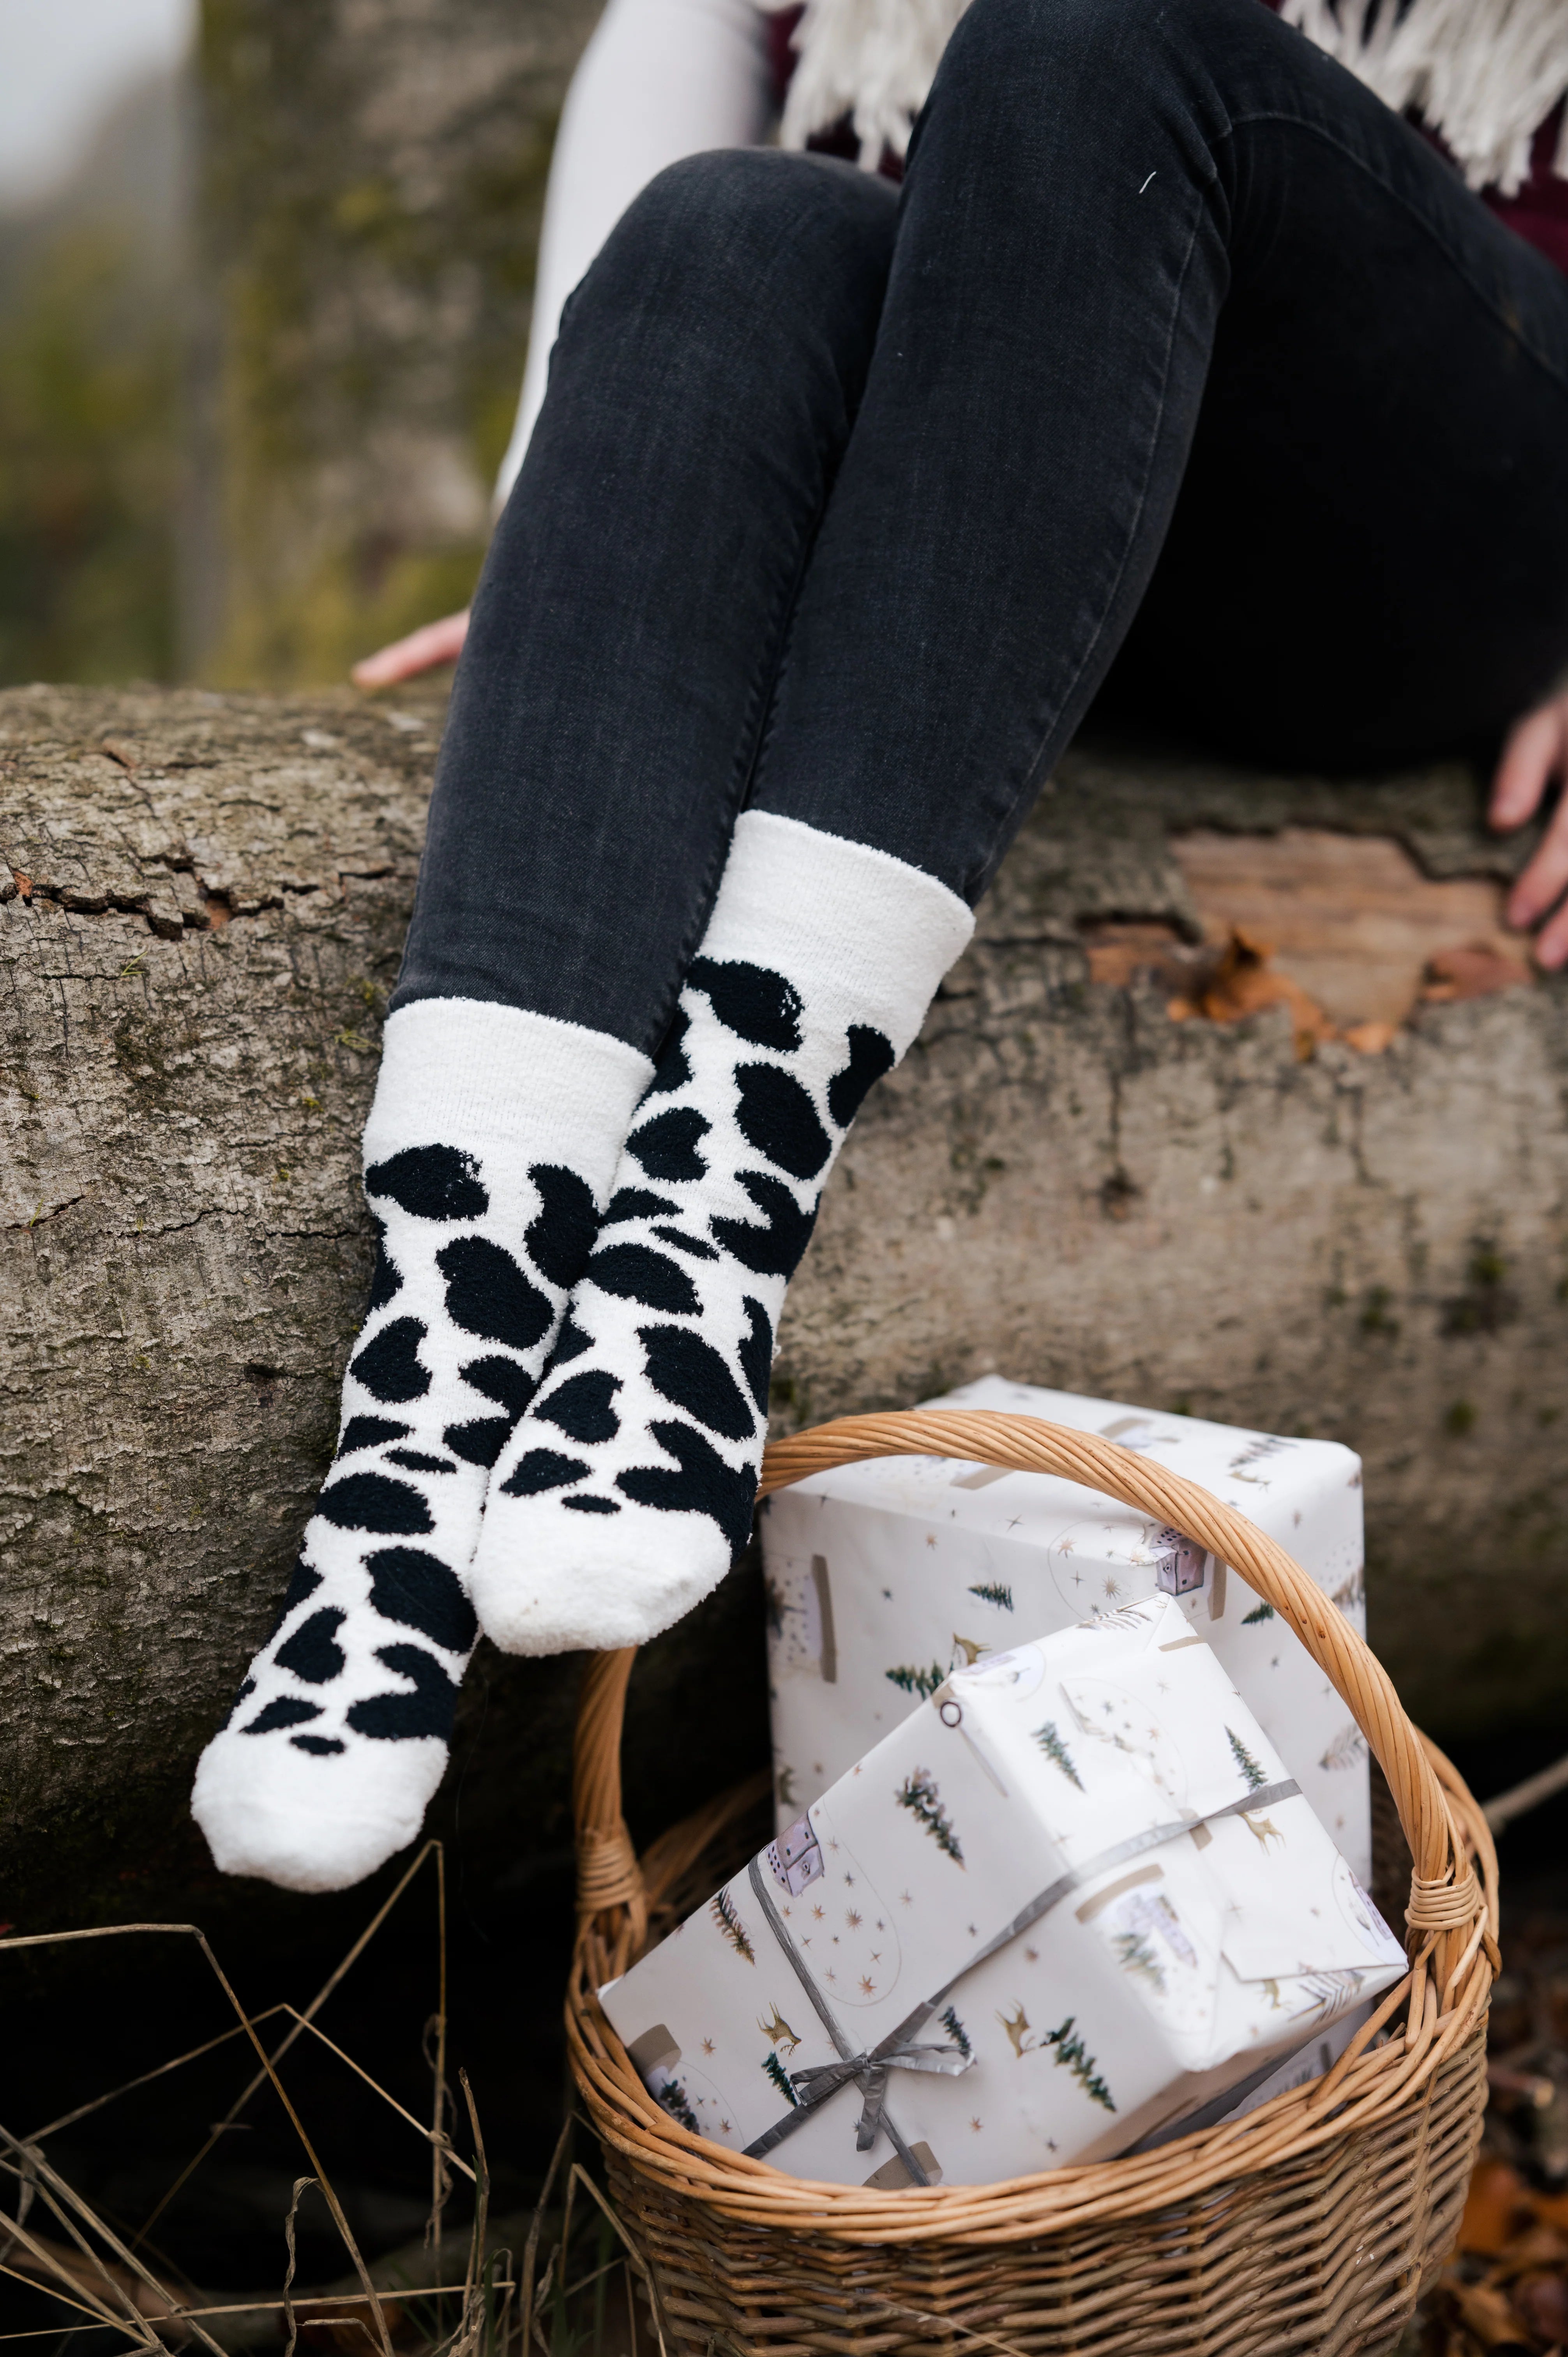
{"x": 628, "y": 1487}
{"x": 488, "y": 1155}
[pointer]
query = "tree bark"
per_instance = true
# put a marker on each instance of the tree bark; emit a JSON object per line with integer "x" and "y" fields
{"x": 202, "y": 900}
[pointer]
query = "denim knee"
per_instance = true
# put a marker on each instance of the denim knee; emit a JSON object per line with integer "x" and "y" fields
{"x": 736, "y": 241}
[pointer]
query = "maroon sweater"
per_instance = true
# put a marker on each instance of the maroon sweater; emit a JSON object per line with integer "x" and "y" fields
{"x": 1539, "y": 212}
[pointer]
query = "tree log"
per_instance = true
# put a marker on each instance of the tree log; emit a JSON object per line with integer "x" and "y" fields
{"x": 202, "y": 899}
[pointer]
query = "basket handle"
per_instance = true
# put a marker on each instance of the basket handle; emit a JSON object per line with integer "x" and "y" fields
{"x": 1445, "y": 1897}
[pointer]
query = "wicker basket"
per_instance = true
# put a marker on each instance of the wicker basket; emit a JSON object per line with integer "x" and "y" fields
{"x": 1313, "y": 2225}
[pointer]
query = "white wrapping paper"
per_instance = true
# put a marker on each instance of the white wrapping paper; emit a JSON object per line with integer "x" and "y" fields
{"x": 1073, "y": 1899}
{"x": 883, "y": 1576}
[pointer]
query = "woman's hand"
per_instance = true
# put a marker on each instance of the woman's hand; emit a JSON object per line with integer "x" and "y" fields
{"x": 1536, "y": 752}
{"x": 438, "y": 642}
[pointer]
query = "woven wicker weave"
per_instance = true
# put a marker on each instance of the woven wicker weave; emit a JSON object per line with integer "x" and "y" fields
{"x": 1313, "y": 2225}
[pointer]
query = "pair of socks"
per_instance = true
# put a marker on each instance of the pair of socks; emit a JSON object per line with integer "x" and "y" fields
{"x": 553, "y": 1417}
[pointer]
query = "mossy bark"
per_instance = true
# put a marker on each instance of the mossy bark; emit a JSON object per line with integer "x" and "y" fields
{"x": 202, "y": 899}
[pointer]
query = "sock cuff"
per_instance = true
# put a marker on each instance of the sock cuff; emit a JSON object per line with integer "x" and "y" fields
{"x": 471, "y": 1071}
{"x": 839, "y": 916}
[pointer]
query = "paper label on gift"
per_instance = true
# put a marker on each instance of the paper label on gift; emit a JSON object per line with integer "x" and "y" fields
{"x": 1073, "y": 1895}
{"x": 884, "y": 1576}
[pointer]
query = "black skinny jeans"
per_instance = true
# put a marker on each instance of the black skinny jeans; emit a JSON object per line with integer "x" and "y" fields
{"x": 1176, "y": 344}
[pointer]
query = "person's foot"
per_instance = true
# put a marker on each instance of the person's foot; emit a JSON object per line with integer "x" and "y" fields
{"x": 488, "y": 1153}
{"x": 628, "y": 1487}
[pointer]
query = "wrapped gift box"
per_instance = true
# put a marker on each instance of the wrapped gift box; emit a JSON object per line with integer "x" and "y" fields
{"x": 883, "y": 1576}
{"x": 1074, "y": 1901}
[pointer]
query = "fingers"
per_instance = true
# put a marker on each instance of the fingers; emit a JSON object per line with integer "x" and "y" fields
{"x": 1533, "y": 750}
{"x": 437, "y": 643}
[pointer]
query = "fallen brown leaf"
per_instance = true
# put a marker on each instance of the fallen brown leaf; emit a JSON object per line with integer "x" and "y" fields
{"x": 1473, "y": 970}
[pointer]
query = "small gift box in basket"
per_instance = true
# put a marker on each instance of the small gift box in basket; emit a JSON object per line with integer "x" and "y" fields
{"x": 883, "y": 1574}
{"x": 1074, "y": 1898}
{"x": 1310, "y": 2224}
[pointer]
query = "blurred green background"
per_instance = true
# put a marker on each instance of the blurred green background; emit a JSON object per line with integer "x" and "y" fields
{"x": 260, "y": 342}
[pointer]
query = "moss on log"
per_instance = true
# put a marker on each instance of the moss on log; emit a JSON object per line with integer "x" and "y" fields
{"x": 202, "y": 899}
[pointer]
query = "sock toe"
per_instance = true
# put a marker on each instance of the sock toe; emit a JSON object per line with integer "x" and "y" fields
{"x": 550, "y": 1580}
{"x": 311, "y": 1822}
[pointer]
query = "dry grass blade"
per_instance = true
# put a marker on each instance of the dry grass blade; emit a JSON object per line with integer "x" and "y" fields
{"x": 269, "y": 2072}
{"x": 531, "y": 2249}
{"x": 176, "y": 2062}
{"x": 450, "y": 2158}
{"x": 633, "y": 2253}
{"x": 311, "y": 2010}
{"x": 62, "y": 2200}
{"x": 440, "y": 2174}
{"x": 290, "y": 2321}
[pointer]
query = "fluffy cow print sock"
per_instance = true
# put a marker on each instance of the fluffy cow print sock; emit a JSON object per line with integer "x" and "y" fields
{"x": 488, "y": 1155}
{"x": 628, "y": 1487}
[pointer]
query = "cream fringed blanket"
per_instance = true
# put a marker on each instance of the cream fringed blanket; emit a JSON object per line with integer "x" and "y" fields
{"x": 1483, "y": 74}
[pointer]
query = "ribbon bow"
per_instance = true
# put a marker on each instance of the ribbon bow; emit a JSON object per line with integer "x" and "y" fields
{"x": 869, "y": 2073}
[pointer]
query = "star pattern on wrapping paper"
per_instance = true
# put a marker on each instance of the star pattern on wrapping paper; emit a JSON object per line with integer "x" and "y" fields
{"x": 977, "y": 2125}
{"x": 707, "y": 2045}
{"x": 930, "y": 1538}
{"x": 868, "y": 1986}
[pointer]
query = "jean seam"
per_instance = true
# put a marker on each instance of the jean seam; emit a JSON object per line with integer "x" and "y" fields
{"x": 1033, "y": 785}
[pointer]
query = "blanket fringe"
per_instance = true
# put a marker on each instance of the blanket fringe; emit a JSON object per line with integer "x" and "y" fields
{"x": 1483, "y": 74}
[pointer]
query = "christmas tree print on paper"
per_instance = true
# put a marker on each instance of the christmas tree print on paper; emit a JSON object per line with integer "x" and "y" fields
{"x": 991, "y": 1592}
{"x": 1255, "y": 1777}
{"x": 920, "y": 1795}
{"x": 724, "y": 1914}
{"x": 781, "y": 2078}
{"x": 1134, "y": 1955}
{"x": 1259, "y": 1612}
{"x": 957, "y": 2032}
{"x": 1073, "y": 2055}
{"x": 923, "y": 1682}
{"x": 672, "y": 2096}
{"x": 1346, "y": 1750}
{"x": 1056, "y": 1751}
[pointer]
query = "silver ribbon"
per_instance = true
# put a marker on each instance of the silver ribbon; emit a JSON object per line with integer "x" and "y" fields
{"x": 898, "y": 2050}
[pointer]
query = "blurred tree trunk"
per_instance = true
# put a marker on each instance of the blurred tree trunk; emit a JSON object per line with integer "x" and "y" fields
{"x": 369, "y": 185}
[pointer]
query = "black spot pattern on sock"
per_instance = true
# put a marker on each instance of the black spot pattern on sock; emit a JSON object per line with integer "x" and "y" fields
{"x": 581, "y": 1406}
{"x": 414, "y": 1461}
{"x": 570, "y": 1343}
{"x": 302, "y": 1582}
{"x": 247, "y": 1690}
{"x": 386, "y": 1277}
{"x": 366, "y": 1431}
{"x": 393, "y": 1717}
{"x": 705, "y": 1484}
{"x": 750, "y": 1000}
{"x": 633, "y": 1273}
{"x": 777, "y": 1116}
{"x": 410, "y": 1586}
{"x": 322, "y": 1745}
{"x": 756, "y": 1351}
{"x": 690, "y": 1374}
{"x": 542, "y": 1469}
{"x": 636, "y": 1203}
{"x": 433, "y": 1182}
{"x": 487, "y": 1294}
{"x": 870, "y": 1055}
{"x": 673, "y": 1069}
{"x": 289, "y": 1710}
{"x": 502, "y": 1380}
{"x": 693, "y": 1245}
{"x": 593, "y": 1505}
{"x": 667, "y": 1146}
{"x": 369, "y": 1501}
{"x": 774, "y": 1250}
{"x": 313, "y": 1651}
{"x": 560, "y": 1238}
{"x": 480, "y": 1442}
{"x": 388, "y": 1367}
